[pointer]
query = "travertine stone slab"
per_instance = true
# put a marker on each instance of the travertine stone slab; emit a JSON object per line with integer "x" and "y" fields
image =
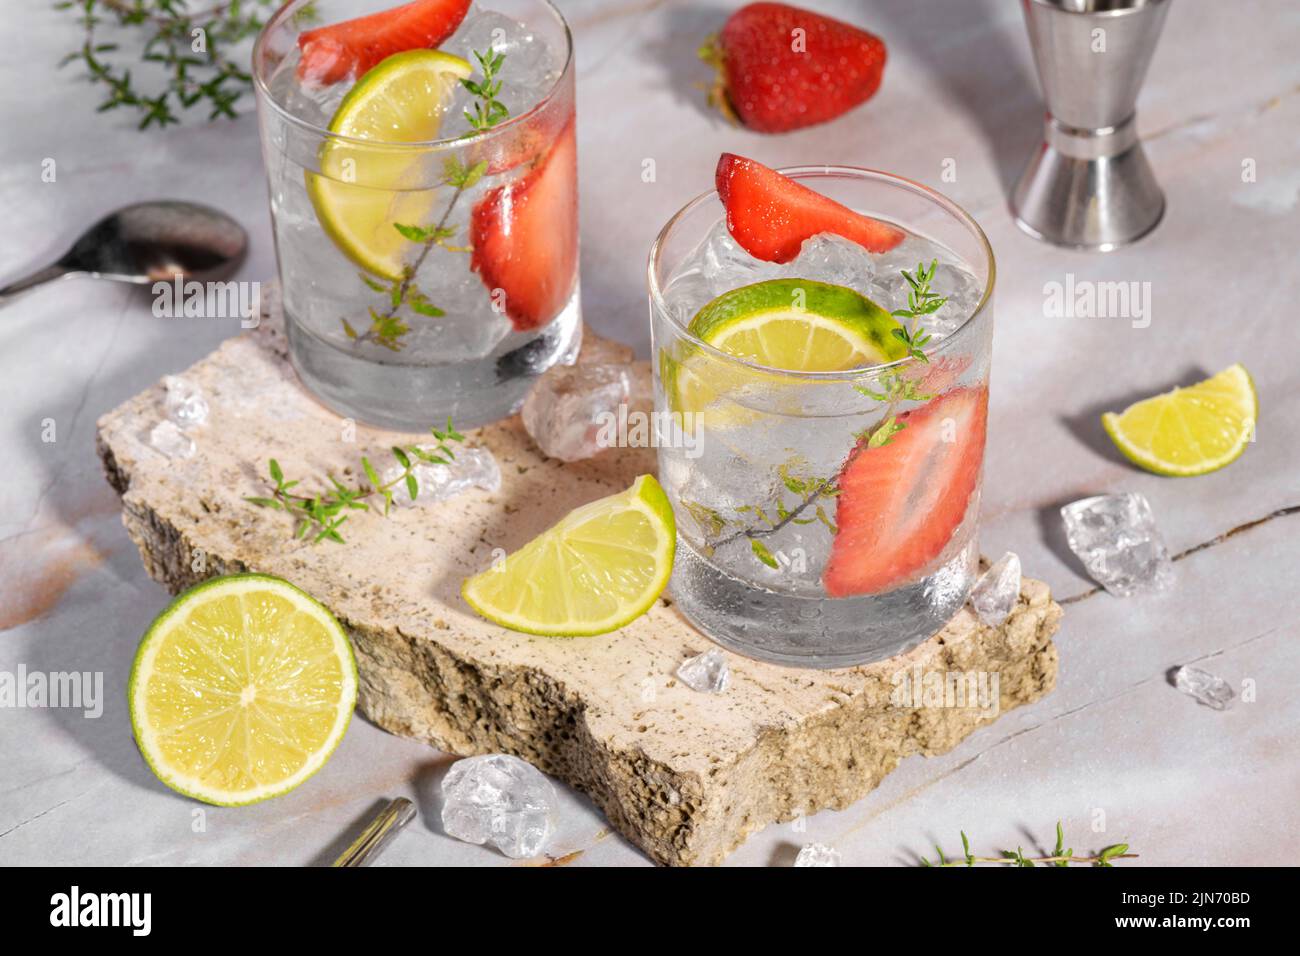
{"x": 685, "y": 776}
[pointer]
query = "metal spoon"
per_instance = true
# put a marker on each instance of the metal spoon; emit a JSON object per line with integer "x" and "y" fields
{"x": 149, "y": 242}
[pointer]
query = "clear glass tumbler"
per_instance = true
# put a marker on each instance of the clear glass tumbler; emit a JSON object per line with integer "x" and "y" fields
{"x": 800, "y": 541}
{"x": 426, "y": 279}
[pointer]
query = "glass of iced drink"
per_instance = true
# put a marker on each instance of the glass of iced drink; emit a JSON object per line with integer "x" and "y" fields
{"x": 422, "y": 168}
{"x": 821, "y": 342}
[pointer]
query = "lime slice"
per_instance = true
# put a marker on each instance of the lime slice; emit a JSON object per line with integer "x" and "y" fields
{"x": 363, "y": 190}
{"x": 600, "y": 568}
{"x": 1189, "y": 431}
{"x": 795, "y": 325}
{"x": 241, "y": 689}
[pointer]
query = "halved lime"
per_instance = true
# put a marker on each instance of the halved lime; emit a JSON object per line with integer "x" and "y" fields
{"x": 362, "y": 190}
{"x": 600, "y": 568}
{"x": 795, "y": 325}
{"x": 241, "y": 689}
{"x": 1189, "y": 431}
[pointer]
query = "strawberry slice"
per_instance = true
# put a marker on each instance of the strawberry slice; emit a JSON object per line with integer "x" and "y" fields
{"x": 900, "y": 503}
{"x": 350, "y": 48}
{"x": 525, "y": 236}
{"x": 771, "y": 215}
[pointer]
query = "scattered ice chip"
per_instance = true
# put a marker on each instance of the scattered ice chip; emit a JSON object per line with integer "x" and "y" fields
{"x": 995, "y": 594}
{"x": 185, "y": 403}
{"x": 471, "y": 468}
{"x": 707, "y": 673}
{"x": 570, "y": 409}
{"x": 1117, "y": 540}
{"x": 498, "y": 799}
{"x": 1205, "y": 687}
{"x": 166, "y": 437}
{"x": 818, "y": 854}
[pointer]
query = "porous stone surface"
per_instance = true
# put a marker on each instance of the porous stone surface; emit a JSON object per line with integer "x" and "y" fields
{"x": 685, "y": 776}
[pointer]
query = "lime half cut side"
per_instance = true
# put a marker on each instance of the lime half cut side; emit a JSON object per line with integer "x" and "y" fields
{"x": 365, "y": 188}
{"x": 601, "y": 567}
{"x": 241, "y": 689}
{"x": 1189, "y": 431}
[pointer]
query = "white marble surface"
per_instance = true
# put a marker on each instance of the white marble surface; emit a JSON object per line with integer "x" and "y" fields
{"x": 1182, "y": 783}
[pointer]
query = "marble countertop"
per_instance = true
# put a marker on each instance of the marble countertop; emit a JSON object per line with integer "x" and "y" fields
{"x": 1114, "y": 752}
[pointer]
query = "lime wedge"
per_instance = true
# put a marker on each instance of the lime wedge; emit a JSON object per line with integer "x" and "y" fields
{"x": 241, "y": 689}
{"x": 362, "y": 190}
{"x": 1189, "y": 431}
{"x": 795, "y": 325}
{"x": 600, "y": 568}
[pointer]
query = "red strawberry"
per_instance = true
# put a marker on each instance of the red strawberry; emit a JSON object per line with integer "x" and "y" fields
{"x": 525, "y": 236}
{"x": 900, "y": 503}
{"x": 775, "y": 79}
{"x": 352, "y": 47}
{"x": 771, "y": 216}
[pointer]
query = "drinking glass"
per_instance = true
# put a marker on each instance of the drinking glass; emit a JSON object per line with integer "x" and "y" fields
{"x": 795, "y": 545}
{"x": 403, "y": 328}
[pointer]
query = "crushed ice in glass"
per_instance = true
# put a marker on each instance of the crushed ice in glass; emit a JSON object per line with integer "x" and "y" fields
{"x": 184, "y": 403}
{"x": 565, "y": 409}
{"x": 1208, "y": 689}
{"x": 707, "y": 673}
{"x": 818, "y": 854}
{"x": 995, "y": 594}
{"x": 501, "y": 800}
{"x": 1117, "y": 540}
{"x": 471, "y": 468}
{"x": 167, "y": 438}
{"x": 718, "y": 264}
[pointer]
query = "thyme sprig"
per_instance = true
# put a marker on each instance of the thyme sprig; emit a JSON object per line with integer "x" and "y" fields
{"x": 1060, "y": 856}
{"x": 187, "y": 48}
{"x": 321, "y": 513}
{"x": 387, "y": 328}
{"x": 488, "y": 110}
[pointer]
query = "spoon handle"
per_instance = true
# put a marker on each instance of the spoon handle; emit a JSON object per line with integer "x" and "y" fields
{"x": 378, "y": 834}
{"x": 19, "y": 286}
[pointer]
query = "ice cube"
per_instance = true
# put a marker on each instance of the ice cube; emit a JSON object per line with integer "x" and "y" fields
{"x": 834, "y": 259}
{"x": 707, "y": 673}
{"x": 530, "y": 68}
{"x": 471, "y": 468}
{"x": 995, "y": 594}
{"x": 498, "y": 799}
{"x": 818, "y": 854}
{"x": 567, "y": 412}
{"x": 1117, "y": 540}
{"x": 167, "y": 438}
{"x": 185, "y": 403}
{"x": 1205, "y": 687}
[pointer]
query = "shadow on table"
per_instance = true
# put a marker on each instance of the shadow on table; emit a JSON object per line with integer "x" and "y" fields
{"x": 979, "y": 56}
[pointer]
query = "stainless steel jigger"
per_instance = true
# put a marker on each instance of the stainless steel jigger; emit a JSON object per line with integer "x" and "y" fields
{"x": 1089, "y": 185}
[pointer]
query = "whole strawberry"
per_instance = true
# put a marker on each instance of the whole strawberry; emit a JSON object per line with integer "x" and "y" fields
{"x": 781, "y": 68}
